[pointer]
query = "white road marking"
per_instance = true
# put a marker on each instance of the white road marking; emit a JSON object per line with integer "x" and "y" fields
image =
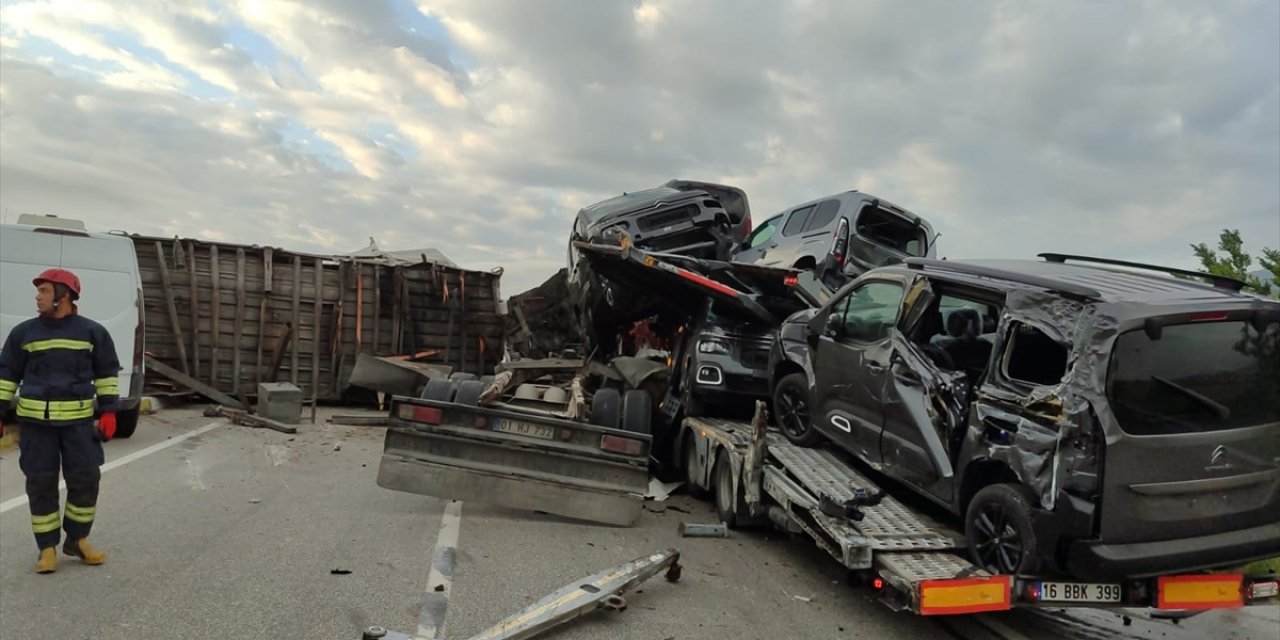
{"x": 13, "y": 503}
{"x": 435, "y": 605}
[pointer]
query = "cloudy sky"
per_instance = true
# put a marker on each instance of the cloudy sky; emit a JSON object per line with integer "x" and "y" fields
{"x": 1127, "y": 129}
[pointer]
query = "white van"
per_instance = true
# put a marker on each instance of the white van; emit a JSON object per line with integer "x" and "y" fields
{"x": 111, "y": 290}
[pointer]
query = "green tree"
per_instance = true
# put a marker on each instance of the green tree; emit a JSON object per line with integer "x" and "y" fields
{"x": 1231, "y": 260}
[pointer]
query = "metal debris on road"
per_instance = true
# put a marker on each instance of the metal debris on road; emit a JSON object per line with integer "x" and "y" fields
{"x": 695, "y": 530}
{"x": 602, "y": 590}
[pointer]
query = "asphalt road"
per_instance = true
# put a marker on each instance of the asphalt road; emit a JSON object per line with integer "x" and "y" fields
{"x": 220, "y": 531}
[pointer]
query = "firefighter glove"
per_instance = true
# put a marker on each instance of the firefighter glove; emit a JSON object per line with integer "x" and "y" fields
{"x": 107, "y": 425}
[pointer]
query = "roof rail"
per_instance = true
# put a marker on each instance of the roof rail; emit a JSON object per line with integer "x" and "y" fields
{"x": 1219, "y": 282}
{"x": 1065, "y": 288}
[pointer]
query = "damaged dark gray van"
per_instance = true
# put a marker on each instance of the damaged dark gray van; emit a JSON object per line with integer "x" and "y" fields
{"x": 1085, "y": 417}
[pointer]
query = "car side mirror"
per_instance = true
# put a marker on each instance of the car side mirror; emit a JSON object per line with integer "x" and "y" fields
{"x": 834, "y": 327}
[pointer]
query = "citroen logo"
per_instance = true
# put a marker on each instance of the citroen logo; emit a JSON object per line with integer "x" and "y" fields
{"x": 1218, "y": 460}
{"x": 1219, "y": 453}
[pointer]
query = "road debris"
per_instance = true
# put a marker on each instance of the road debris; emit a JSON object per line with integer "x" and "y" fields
{"x": 695, "y": 530}
{"x": 600, "y": 591}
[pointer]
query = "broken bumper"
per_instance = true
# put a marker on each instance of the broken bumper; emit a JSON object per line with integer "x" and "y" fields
{"x": 1097, "y": 561}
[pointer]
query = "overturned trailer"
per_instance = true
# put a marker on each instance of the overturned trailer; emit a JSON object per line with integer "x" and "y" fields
{"x": 232, "y": 316}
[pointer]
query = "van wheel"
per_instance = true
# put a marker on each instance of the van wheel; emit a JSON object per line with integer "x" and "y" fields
{"x": 606, "y": 408}
{"x": 691, "y": 481}
{"x": 730, "y": 505}
{"x": 997, "y": 526}
{"x": 127, "y": 422}
{"x": 637, "y": 412}
{"x": 791, "y": 404}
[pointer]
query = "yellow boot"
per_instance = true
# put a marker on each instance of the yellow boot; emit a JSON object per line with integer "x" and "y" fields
{"x": 83, "y": 550}
{"x": 48, "y": 562}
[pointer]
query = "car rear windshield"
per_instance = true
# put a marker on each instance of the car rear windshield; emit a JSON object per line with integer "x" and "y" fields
{"x": 892, "y": 230}
{"x": 1198, "y": 377}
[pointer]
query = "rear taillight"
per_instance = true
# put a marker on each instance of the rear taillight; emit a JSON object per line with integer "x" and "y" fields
{"x": 618, "y": 444}
{"x": 791, "y": 281}
{"x": 840, "y": 242}
{"x": 1209, "y": 316}
{"x": 427, "y": 415}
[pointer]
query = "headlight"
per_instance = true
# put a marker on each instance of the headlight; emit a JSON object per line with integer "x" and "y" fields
{"x": 713, "y": 346}
{"x": 613, "y": 233}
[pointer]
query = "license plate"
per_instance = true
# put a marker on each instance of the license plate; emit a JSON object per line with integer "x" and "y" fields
{"x": 521, "y": 428}
{"x": 1078, "y": 592}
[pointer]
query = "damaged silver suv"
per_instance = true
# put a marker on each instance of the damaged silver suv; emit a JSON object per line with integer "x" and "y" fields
{"x": 1086, "y": 417}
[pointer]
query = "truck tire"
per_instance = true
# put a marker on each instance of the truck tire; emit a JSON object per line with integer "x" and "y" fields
{"x": 791, "y": 408}
{"x": 691, "y": 481}
{"x": 997, "y": 526}
{"x": 469, "y": 393}
{"x": 127, "y": 422}
{"x": 606, "y": 408}
{"x": 439, "y": 390}
{"x": 637, "y": 412}
{"x": 730, "y": 504}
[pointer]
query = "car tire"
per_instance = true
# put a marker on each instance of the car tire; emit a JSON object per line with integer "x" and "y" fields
{"x": 127, "y": 422}
{"x": 999, "y": 531}
{"x": 730, "y": 504}
{"x": 469, "y": 393}
{"x": 689, "y": 463}
{"x": 439, "y": 390}
{"x": 460, "y": 377}
{"x": 791, "y": 410}
{"x": 606, "y": 408}
{"x": 637, "y": 412}
{"x": 486, "y": 381}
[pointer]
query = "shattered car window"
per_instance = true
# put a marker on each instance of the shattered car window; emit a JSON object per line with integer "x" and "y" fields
{"x": 892, "y": 230}
{"x": 1196, "y": 377}
{"x": 1034, "y": 357}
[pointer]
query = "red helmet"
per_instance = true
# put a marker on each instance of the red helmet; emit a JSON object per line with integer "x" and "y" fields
{"x": 60, "y": 276}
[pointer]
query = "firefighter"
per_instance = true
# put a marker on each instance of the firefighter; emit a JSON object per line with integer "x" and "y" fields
{"x": 58, "y": 372}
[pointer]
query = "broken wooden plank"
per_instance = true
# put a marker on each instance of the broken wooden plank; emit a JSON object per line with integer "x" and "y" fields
{"x": 297, "y": 307}
{"x": 396, "y": 318}
{"x": 359, "y": 307}
{"x": 462, "y": 298}
{"x": 277, "y": 357}
{"x": 191, "y": 383}
{"x": 240, "y": 416}
{"x": 173, "y": 308}
{"x": 377, "y": 306}
{"x": 262, "y": 339}
{"x": 315, "y": 335}
{"x": 194, "y": 282}
{"x": 215, "y": 312}
{"x": 339, "y": 319}
{"x": 361, "y": 421}
{"x": 239, "y": 323}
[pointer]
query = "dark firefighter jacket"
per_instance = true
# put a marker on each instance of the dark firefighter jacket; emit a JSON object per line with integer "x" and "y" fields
{"x": 56, "y": 367}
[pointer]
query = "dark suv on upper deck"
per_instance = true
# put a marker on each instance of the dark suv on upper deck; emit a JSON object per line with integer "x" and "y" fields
{"x": 1087, "y": 417}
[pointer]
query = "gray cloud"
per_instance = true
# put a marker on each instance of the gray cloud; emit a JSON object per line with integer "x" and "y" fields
{"x": 1121, "y": 129}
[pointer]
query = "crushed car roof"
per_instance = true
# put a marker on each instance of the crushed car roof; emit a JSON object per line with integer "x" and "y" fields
{"x": 1083, "y": 280}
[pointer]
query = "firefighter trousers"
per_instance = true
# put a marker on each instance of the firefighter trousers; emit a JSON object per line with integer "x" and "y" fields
{"x": 76, "y": 451}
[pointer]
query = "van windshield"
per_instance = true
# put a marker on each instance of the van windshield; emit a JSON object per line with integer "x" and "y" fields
{"x": 1199, "y": 377}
